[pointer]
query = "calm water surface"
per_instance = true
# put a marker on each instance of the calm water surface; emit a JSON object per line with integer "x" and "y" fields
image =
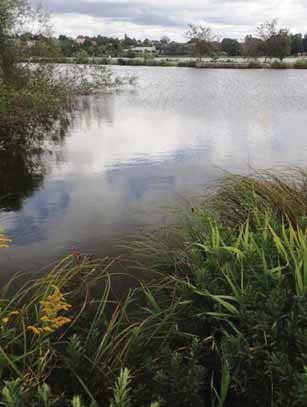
{"x": 128, "y": 154}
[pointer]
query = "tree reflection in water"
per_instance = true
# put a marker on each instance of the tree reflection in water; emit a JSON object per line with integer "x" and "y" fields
{"x": 23, "y": 165}
{"x": 23, "y": 155}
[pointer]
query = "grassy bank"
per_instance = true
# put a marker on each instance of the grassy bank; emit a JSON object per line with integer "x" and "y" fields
{"x": 177, "y": 62}
{"x": 222, "y": 322}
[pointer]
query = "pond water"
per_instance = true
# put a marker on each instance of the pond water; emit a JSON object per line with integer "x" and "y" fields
{"x": 128, "y": 154}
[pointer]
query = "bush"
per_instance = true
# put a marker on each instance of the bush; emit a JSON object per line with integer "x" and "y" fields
{"x": 255, "y": 65}
{"x": 187, "y": 64}
{"x": 279, "y": 65}
{"x": 300, "y": 64}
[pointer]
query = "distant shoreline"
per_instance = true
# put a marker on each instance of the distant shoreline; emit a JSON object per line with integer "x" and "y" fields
{"x": 179, "y": 63}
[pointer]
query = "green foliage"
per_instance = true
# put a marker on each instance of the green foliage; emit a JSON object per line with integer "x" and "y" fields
{"x": 121, "y": 390}
{"x": 231, "y": 47}
{"x": 13, "y": 393}
{"x": 300, "y": 64}
{"x": 279, "y": 65}
{"x": 242, "y": 287}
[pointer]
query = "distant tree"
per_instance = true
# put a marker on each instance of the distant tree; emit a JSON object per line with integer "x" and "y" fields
{"x": 131, "y": 54}
{"x": 63, "y": 38}
{"x": 305, "y": 43}
{"x": 27, "y": 36}
{"x": 276, "y": 42}
{"x": 202, "y": 38}
{"x": 165, "y": 40}
{"x": 67, "y": 46}
{"x": 267, "y": 29}
{"x": 231, "y": 47}
{"x": 128, "y": 42}
{"x": 279, "y": 46}
{"x": 100, "y": 50}
{"x": 253, "y": 47}
{"x": 147, "y": 42}
{"x": 297, "y": 44}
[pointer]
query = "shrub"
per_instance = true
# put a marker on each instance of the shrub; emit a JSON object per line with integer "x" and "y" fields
{"x": 300, "y": 64}
{"x": 279, "y": 65}
{"x": 255, "y": 65}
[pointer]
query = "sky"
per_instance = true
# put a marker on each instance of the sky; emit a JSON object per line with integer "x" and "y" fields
{"x": 156, "y": 18}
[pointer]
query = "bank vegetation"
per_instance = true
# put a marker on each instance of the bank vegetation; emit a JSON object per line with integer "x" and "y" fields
{"x": 218, "y": 317}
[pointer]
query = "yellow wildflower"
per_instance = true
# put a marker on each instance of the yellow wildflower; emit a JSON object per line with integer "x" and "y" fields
{"x": 4, "y": 241}
{"x": 50, "y": 318}
{"x": 48, "y": 329}
{"x": 6, "y": 319}
{"x": 34, "y": 330}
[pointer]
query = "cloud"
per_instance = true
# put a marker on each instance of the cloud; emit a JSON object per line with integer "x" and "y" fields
{"x": 153, "y": 18}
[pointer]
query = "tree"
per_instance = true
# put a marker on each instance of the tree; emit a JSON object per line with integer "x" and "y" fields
{"x": 253, "y": 47}
{"x": 10, "y": 13}
{"x": 297, "y": 44}
{"x": 267, "y": 29}
{"x": 165, "y": 40}
{"x": 231, "y": 47}
{"x": 278, "y": 46}
{"x": 305, "y": 43}
{"x": 202, "y": 38}
{"x": 147, "y": 42}
{"x": 276, "y": 42}
{"x": 128, "y": 42}
{"x": 67, "y": 45}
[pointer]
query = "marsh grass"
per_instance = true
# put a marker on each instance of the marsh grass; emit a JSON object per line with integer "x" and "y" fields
{"x": 238, "y": 288}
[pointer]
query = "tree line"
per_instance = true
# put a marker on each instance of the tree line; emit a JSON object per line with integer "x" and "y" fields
{"x": 270, "y": 41}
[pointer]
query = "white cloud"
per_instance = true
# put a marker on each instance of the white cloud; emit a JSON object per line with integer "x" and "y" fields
{"x": 154, "y": 18}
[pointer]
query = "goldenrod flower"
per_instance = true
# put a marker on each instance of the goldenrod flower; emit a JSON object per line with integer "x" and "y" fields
{"x": 34, "y": 330}
{"x": 51, "y": 308}
{"x": 6, "y": 319}
{"x": 4, "y": 241}
{"x": 48, "y": 329}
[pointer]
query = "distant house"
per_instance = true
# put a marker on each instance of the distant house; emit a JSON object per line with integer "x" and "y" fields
{"x": 94, "y": 43}
{"x": 30, "y": 43}
{"x": 144, "y": 50}
{"x": 80, "y": 39}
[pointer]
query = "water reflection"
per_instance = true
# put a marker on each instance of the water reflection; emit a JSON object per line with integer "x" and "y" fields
{"x": 127, "y": 154}
{"x": 20, "y": 175}
{"x": 23, "y": 164}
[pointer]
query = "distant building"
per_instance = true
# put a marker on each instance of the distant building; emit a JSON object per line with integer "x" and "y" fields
{"x": 30, "y": 43}
{"x": 144, "y": 50}
{"x": 80, "y": 39}
{"x": 94, "y": 43}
